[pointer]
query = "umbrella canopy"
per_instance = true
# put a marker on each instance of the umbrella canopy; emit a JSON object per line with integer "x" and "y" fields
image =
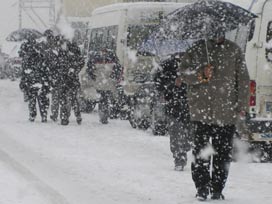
{"x": 202, "y": 19}
{"x": 164, "y": 48}
{"x": 23, "y": 34}
{"x": 192, "y": 22}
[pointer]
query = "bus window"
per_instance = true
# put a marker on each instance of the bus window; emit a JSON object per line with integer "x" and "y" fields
{"x": 137, "y": 34}
{"x": 268, "y": 50}
{"x": 105, "y": 37}
{"x": 112, "y": 37}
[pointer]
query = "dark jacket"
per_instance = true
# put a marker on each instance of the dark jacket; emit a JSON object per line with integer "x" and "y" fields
{"x": 175, "y": 97}
{"x": 75, "y": 63}
{"x": 34, "y": 76}
{"x": 219, "y": 100}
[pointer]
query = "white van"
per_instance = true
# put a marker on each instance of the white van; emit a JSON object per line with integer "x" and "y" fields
{"x": 259, "y": 64}
{"x": 122, "y": 28}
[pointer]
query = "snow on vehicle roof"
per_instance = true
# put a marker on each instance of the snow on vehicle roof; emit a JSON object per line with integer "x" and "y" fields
{"x": 135, "y": 5}
{"x": 258, "y": 6}
{"x": 255, "y": 6}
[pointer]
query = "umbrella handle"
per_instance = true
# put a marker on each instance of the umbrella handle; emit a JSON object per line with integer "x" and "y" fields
{"x": 207, "y": 51}
{"x": 207, "y": 75}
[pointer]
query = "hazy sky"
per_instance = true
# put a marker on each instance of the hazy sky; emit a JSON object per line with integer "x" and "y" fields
{"x": 8, "y": 17}
{"x": 9, "y": 20}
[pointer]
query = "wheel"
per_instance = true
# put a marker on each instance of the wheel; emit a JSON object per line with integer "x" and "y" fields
{"x": 136, "y": 119}
{"x": 159, "y": 128}
{"x": 159, "y": 124}
{"x": 143, "y": 123}
{"x": 90, "y": 105}
{"x": 257, "y": 152}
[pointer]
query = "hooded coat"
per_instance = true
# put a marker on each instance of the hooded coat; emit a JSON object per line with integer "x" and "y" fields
{"x": 219, "y": 100}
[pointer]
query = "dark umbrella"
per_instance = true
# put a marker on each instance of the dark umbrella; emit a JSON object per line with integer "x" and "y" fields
{"x": 192, "y": 22}
{"x": 23, "y": 34}
{"x": 202, "y": 19}
{"x": 163, "y": 48}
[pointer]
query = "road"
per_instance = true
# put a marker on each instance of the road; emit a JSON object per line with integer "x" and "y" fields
{"x": 101, "y": 164}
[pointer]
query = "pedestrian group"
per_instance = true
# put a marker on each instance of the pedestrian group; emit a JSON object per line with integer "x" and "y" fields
{"x": 51, "y": 66}
{"x": 205, "y": 92}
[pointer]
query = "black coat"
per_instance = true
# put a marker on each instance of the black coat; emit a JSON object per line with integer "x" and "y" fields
{"x": 70, "y": 63}
{"x": 176, "y": 97}
{"x": 34, "y": 76}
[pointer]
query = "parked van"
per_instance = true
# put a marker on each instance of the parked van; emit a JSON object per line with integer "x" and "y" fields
{"x": 259, "y": 64}
{"x": 122, "y": 28}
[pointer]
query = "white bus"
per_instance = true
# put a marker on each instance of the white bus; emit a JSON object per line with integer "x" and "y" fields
{"x": 122, "y": 28}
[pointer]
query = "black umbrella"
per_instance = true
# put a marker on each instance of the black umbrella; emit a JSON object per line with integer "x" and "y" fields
{"x": 202, "y": 19}
{"x": 164, "y": 48}
{"x": 192, "y": 22}
{"x": 23, "y": 34}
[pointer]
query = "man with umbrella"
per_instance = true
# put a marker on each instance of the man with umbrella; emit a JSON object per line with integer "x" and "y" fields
{"x": 218, "y": 82}
{"x": 219, "y": 92}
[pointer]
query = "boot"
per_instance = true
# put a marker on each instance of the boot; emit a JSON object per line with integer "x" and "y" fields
{"x": 64, "y": 122}
{"x": 31, "y": 119}
{"x": 202, "y": 193}
{"x": 53, "y": 118}
{"x": 79, "y": 120}
{"x": 44, "y": 119}
{"x": 217, "y": 196}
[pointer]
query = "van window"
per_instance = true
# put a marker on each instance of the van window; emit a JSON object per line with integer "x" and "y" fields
{"x": 105, "y": 37}
{"x": 251, "y": 31}
{"x": 268, "y": 50}
{"x": 137, "y": 34}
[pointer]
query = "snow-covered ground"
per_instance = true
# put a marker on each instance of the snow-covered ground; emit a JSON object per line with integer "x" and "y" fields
{"x": 101, "y": 164}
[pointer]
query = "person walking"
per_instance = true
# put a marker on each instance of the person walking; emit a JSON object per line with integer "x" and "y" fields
{"x": 70, "y": 64}
{"x": 34, "y": 81}
{"x": 177, "y": 111}
{"x": 76, "y": 63}
{"x": 104, "y": 68}
{"x": 218, "y": 81}
{"x": 56, "y": 78}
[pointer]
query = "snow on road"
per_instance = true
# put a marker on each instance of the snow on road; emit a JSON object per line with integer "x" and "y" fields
{"x": 100, "y": 164}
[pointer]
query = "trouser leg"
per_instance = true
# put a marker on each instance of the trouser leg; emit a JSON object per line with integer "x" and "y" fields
{"x": 200, "y": 165}
{"x": 55, "y": 103}
{"x": 75, "y": 104}
{"x": 64, "y": 107}
{"x": 32, "y": 106}
{"x": 103, "y": 107}
{"x": 222, "y": 142}
{"x": 179, "y": 144}
{"x": 43, "y": 102}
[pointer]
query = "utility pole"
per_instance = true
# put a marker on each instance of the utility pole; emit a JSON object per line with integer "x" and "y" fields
{"x": 20, "y": 14}
{"x": 33, "y": 9}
